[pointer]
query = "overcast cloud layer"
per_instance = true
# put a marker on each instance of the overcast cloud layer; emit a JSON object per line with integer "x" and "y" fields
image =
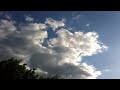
{"x": 56, "y": 55}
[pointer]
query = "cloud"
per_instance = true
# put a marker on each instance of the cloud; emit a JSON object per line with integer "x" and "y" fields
{"x": 63, "y": 55}
{"x": 38, "y": 71}
{"x": 6, "y": 27}
{"x": 54, "y": 24}
{"x": 32, "y": 26}
{"x": 87, "y": 25}
{"x": 2, "y": 13}
{"x": 29, "y": 19}
{"x": 77, "y": 17}
{"x": 107, "y": 70}
{"x": 8, "y": 17}
{"x": 85, "y": 44}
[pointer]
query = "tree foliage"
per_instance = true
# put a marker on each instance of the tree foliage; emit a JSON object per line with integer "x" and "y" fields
{"x": 11, "y": 69}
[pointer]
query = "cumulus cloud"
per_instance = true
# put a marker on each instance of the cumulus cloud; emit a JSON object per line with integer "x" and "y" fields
{"x": 85, "y": 44}
{"x": 54, "y": 24}
{"x": 32, "y": 26}
{"x": 62, "y": 55}
{"x": 6, "y": 27}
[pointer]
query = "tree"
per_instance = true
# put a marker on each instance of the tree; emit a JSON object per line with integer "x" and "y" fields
{"x": 11, "y": 69}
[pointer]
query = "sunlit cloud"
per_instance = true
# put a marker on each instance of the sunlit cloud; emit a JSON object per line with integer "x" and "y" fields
{"x": 62, "y": 55}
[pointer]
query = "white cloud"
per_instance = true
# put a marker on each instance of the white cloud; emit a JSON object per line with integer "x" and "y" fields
{"x": 29, "y": 19}
{"x": 87, "y": 25}
{"x": 54, "y": 24}
{"x": 62, "y": 55}
{"x": 85, "y": 44}
{"x": 7, "y": 17}
{"x": 40, "y": 71}
{"x": 6, "y": 27}
{"x": 33, "y": 26}
{"x": 107, "y": 70}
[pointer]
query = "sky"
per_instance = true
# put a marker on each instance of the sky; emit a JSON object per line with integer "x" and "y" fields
{"x": 74, "y": 44}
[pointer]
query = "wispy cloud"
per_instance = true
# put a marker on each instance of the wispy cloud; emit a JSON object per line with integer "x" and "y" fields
{"x": 107, "y": 70}
{"x": 77, "y": 17}
{"x": 87, "y": 25}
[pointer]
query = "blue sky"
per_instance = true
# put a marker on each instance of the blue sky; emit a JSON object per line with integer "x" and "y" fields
{"x": 105, "y": 23}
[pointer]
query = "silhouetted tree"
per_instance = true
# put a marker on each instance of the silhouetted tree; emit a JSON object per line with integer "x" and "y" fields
{"x": 11, "y": 69}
